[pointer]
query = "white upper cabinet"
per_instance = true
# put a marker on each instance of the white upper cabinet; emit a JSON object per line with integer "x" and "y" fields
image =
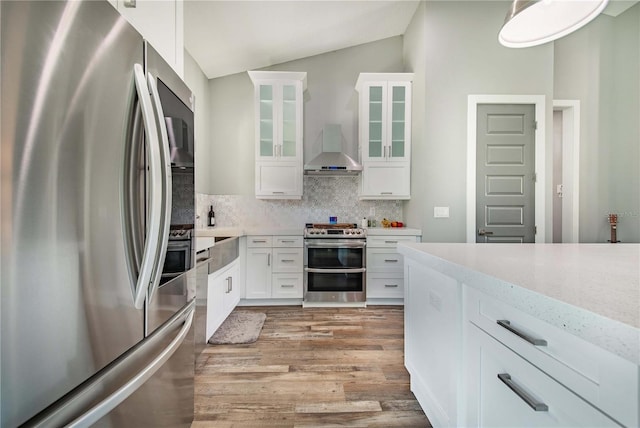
{"x": 278, "y": 133}
{"x": 385, "y": 134}
{"x": 162, "y": 24}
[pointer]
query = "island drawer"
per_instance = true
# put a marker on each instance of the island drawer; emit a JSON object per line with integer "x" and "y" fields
{"x": 607, "y": 381}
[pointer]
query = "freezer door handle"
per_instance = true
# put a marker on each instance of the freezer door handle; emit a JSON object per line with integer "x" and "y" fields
{"x": 149, "y": 255}
{"x": 101, "y": 409}
{"x": 165, "y": 164}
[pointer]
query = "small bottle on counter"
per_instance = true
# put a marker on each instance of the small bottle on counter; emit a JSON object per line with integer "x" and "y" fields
{"x": 212, "y": 217}
{"x": 365, "y": 223}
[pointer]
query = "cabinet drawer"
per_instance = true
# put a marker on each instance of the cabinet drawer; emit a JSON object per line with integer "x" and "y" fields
{"x": 388, "y": 241}
{"x": 286, "y": 285}
{"x": 287, "y": 241}
{"x": 287, "y": 260}
{"x": 607, "y": 381}
{"x": 259, "y": 241}
{"x": 381, "y": 260}
{"x": 385, "y": 286}
{"x": 506, "y": 390}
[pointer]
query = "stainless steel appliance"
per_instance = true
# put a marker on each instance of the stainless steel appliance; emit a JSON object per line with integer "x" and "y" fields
{"x": 179, "y": 251}
{"x": 88, "y": 337}
{"x": 334, "y": 263}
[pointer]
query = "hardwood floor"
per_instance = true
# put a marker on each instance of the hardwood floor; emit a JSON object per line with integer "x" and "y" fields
{"x": 313, "y": 367}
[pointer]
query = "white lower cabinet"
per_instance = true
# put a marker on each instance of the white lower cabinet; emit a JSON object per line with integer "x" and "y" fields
{"x": 385, "y": 267}
{"x": 505, "y": 390}
{"x": 477, "y": 361}
{"x": 274, "y": 267}
{"x": 223, "y": 295}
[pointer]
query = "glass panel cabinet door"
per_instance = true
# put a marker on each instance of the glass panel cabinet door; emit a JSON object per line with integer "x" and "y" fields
{"x": 289, "y": 121}
{"x": 375, "y": 122}
{"x": 398, "y": 121}
{"x": 267, "y": 139}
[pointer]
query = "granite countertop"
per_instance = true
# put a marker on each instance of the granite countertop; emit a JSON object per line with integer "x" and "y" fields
{"x": 590, "y": 290}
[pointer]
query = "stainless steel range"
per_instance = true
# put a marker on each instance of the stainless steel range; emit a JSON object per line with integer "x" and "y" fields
{"x": 334, "y": 263}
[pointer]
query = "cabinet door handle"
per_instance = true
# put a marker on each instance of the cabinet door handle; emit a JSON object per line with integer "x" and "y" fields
{"x": 391, "y": 285}
{"x": 268, "y": 259}
{"x": 536, "y": 405}
{"x": 287, "y": 261}
{"x": 532, "y": 340}
{"x": 391, "y": 260}
{"x": 228, "y": 285}
{"x": 287, "y": 286}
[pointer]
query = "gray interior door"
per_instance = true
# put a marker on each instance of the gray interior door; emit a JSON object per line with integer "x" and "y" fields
{"x": 505, "y": 173}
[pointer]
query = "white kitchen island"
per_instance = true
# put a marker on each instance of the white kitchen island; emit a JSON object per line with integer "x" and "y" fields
{"x": 471, "y": 311}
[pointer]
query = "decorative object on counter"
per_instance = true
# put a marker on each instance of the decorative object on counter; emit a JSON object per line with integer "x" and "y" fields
{"x": 365, "y": 223}
{"x": 391, "y": 223}
{"x": 240, "y": 327}
{"x": 333, "y": 220}
{"x": 211, "y": 222}
{"x": 613, "y": 222}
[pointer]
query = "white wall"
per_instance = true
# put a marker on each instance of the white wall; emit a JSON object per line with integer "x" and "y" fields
{"x": 454, "y": 49}
{"x": 330, "y": 98}
{"x": 196, "y": 80}
{"x": 600, "y": 66}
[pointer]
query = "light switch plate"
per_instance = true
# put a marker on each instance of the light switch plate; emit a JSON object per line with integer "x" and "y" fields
{"x": 441, "y": 212}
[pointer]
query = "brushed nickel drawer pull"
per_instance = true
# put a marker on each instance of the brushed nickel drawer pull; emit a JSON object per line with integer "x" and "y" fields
{"x": 259, "y": 241}
{"x": 287, "y": 286}
{"x": 391, "y": 260}
{"x": 391, "y": 285}
{"x": 390, "y": 242}
{"x": 287, "y": 261}
{"x": 536, "y": 405}
{"x": 532, "y": 340}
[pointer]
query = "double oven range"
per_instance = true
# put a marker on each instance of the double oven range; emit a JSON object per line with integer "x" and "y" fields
{"x": 334, "y": 263}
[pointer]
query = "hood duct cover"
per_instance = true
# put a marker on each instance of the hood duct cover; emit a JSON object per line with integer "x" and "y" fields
{"x": 332, "y": 161}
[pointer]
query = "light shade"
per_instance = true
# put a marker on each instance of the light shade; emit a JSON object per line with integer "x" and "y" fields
{"x": 534, "y": 22}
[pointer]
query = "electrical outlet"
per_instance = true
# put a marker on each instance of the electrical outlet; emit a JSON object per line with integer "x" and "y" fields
{"x": 372, "y": 212}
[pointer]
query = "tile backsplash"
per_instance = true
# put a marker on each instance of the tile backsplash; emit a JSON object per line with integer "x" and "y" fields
{"x": 322, "y": 197}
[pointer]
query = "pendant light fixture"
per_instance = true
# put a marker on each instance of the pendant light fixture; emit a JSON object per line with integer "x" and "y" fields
{"x": 534, "y": 22}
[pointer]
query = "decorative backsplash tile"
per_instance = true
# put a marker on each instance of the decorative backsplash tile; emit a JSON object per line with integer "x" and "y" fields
{"x": 182, "y": 185}
{"x": 322, "y": 197}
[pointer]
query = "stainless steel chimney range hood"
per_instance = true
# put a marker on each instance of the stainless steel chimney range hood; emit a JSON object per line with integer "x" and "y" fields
{"x": 332, "y": 161}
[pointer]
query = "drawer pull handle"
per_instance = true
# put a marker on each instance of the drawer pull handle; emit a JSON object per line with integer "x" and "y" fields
{"x": 531, "y": 401}
{"x": 391, "y": 285}
{"x": 287, "y": 286}
{"x": 532, "y": 340}
{"x": 390, "y": 242}
{"x": 287, "y": 261}
{"x": 259, "y": 241}
{"x": 391, "y": 260}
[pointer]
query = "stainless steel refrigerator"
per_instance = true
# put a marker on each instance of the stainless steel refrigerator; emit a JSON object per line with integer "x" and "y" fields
{"x": 90, "y": 335}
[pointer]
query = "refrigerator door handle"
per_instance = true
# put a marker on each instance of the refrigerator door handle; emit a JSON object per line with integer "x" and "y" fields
{"x": 149, "y": 255}
{"x": 101, "y": 409}
{"x": 166, "y": 184}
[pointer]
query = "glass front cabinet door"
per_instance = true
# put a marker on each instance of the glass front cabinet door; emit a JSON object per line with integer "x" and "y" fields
{"x": 385, "y": 134}
{"x": 278, "y": 130}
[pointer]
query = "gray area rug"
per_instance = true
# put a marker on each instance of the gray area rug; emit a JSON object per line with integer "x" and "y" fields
{"x": 239, "y": 327}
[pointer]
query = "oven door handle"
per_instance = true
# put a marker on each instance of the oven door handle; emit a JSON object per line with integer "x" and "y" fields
{"x": 315, "y": 270}
{"x": 336, "y": 245}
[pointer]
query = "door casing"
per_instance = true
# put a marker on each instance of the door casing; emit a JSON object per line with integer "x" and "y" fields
{"x": 540, "y": 111}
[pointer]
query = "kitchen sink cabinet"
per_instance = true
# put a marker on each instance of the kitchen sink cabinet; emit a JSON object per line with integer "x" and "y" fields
{"x": 385, "y": 134}
{"x": 223, "y": 295}
{"x": 278, "y": 133}
{"x": 274, "y": 267}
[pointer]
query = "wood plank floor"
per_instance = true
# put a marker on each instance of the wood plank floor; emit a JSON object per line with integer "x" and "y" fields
{"x": 313, "y": 367}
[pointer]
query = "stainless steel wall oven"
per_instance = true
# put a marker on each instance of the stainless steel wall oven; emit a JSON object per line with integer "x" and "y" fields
{"x": 334, "y": 263}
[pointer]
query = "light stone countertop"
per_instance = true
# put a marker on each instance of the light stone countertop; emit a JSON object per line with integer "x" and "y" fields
{"x": 400, "y": 231}
{"x": 244, "y": 231}
{"x": 589, "y": 290}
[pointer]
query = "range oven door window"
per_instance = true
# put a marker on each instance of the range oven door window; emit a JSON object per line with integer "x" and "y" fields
{"x": 177, "y": 259}
{"x": 321, "y": 256}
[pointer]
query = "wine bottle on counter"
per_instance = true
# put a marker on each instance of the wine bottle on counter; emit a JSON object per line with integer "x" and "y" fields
{"x": 212, "y": 217}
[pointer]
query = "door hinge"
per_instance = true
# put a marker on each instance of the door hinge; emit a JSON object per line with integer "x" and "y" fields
{"x": 535, "y": 124}
{"x": 535, "y": 230}
{"x": 535, "y": 177}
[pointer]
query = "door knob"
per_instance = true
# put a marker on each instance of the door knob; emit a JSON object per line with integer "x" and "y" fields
{"x": 483, "y": 232}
